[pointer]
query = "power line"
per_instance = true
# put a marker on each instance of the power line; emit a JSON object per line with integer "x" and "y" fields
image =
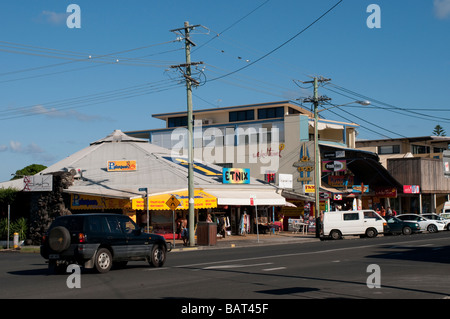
{"x": 281, "y": 45}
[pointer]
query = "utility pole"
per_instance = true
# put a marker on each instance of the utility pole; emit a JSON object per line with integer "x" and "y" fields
{"x": 317, "y": 176}
{"x": 190, "y": 121}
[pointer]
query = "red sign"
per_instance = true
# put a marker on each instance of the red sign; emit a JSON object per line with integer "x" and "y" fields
{"x": 252, "y": 202}
{"x": 411, "y": 189}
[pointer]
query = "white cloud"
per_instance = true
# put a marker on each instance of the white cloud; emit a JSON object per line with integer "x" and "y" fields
{"x": 54, "y": 17}
{"x": 32, "y": 148}
{"x": 442, "y": 9}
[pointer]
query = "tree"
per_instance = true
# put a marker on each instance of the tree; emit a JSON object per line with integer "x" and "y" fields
{"x": 29, "y": 170}
{"x": 439, "y": 131}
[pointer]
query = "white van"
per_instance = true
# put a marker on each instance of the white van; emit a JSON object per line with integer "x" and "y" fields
{"x": 446, "y": 209}
{"x": 353, "y": 222}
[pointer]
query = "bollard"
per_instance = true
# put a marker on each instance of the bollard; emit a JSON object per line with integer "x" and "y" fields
{"x": 16, "y": 240}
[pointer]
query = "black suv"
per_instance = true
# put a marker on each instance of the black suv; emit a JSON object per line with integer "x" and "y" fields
{"x": 100, "y": 241}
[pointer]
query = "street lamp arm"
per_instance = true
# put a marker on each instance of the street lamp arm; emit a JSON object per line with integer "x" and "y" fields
{"x": 365, "y": 102}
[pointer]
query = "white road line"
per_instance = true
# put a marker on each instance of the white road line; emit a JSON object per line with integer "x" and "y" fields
{"x": 273, "y": 269}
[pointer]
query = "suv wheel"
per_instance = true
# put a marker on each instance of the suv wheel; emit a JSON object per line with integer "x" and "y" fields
{"x": 103, "y": 260}
{"x": 157, "y": 256}
{"x": 59, "y": 239}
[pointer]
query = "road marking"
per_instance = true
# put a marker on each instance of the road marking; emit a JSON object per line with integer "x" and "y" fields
{"x": 302, "y": 254}
{"x": 273, "y": 269}
{"x": 235, "y": 266}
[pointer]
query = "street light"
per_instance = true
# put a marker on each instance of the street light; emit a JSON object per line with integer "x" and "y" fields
{"x": 317, "y": 174}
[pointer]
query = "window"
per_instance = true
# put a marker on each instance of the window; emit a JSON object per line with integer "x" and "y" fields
{"x": 97, "y": 224}
{"x": 420, "y": 149}
{"x": 389, "y": 149}
{"x": 371, "y": 214}
{"x": 177, "y": 121}
{"x": 271, "y": 112}
{"x": 236, "y": 116}
{"x": 351, "y": 216}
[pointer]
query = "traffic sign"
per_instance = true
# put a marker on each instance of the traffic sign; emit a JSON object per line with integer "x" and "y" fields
{"x": 173, "y": 202}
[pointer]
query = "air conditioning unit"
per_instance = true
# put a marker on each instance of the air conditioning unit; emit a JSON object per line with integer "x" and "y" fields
{"x": 207, "y": 121}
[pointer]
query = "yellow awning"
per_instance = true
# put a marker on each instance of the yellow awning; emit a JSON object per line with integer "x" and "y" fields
{"x": 158, "y": 202}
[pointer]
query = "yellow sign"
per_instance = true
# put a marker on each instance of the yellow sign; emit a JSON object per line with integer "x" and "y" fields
{"x": 159, "y": 202}
{"x": 309, "y": 188}
{"x": 121, "y": 166}
{"x": 173, "y": 202}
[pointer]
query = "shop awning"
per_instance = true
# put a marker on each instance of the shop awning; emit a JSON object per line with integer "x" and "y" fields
{"x": 202, "y": 199}
{"x": 242, "y": 197}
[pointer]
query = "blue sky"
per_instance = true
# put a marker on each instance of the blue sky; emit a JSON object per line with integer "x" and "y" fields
{"x": 64, "y": 88}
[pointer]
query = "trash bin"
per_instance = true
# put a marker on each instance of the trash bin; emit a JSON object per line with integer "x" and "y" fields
{"x": 206, "y": 234}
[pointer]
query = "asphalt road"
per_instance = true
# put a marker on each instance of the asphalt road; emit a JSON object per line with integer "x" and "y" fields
{"x": 408, "y": 267}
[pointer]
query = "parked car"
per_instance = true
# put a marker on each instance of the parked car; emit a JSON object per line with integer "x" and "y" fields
{"x": 99, "y": 241}
{"x": 441, "y": 218}
{"x": 360, "y": 222}
{"x": 432, "y": 226}
{"x": 398, "y": 226}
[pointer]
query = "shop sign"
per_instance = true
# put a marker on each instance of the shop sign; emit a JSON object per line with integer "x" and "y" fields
{"x": 411, "y": 189}
{"x": 79, "y": 201}
{"x": 334, "y": 166}
{"x": 308, "y": 188}
{"x": 360, "y": 188}
{"x": 121, "y": 166}
{"x": 235, "y": 175}
{"x": 339, "y": 180}
{"x": 285, "y": 181}
{"x": 386, "y": 192}
{"x": 337, "y": 196}
{"x": 38, "y": 183}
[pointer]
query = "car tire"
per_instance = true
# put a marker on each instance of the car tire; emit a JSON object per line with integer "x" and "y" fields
{"x": 59, "y": 239}
{"x": 157, "y": 256}
{"x": 103, "y": 260}
{"x": 432, "y": 228}
{"x": 335, "y": 234}
{"x": 371, "y": 233}
{"x": 406, "y": 230}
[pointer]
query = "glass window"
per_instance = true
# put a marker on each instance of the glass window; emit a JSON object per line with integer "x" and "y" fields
{"x": 351, "y": 216}
{"x": 371, "y": 214}
{"x": 389, "y": 149}
{"x": 97, "y": 224}
{"x": 114, "y": 225}
{"x": 247, "y": 115}
{"x": 270, "y": 112}
{"x": 177, "y": 121}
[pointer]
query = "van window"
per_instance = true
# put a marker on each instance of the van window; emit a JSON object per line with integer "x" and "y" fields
{"x": 371, "y": 215}
{"x": 351, "y": 216}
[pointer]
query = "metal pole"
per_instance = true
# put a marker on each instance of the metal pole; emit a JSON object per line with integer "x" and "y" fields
{"x": 9, "y": 217}
{"x": 190, "y": 136}
{"x": 257, "y": 228}
{"x": 316, "y": 156}
{"x": 148, "y": 213}
{"x": 173, "y": 226}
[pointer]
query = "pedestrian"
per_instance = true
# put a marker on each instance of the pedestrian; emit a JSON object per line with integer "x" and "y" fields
{"x": 383, "y": 212}
{"x": 209, "y": 219}
{"x": 389, "y": 211}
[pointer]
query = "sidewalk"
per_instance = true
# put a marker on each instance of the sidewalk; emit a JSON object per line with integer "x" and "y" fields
{"x": 235, "y": 241}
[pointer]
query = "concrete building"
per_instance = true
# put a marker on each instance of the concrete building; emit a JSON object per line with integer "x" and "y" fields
{"x": 416, "y": 162}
